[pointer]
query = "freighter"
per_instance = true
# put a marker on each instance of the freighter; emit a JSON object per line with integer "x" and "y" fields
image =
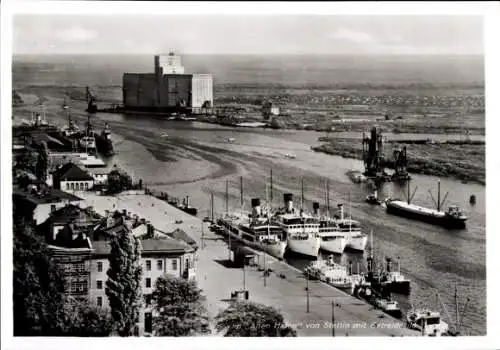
{"x": 452, "y": 218}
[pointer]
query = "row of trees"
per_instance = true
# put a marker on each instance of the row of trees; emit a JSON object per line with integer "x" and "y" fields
{"x": 41, "y": 309}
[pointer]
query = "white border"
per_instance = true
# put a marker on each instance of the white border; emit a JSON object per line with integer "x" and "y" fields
{"x": 489, "y": 10}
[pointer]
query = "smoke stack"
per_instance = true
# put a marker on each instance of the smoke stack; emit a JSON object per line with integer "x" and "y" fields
{"x": 316, "y": 208}
{"x": 341, "y": 208}
{"x": 350, "y": 267}
{"x": 256, "y": 207}
{"x": 388, "y": 264}
{"x": 187, "y": 201}
{"x": 288, "y": 199}
{"x": 369, "y": 264}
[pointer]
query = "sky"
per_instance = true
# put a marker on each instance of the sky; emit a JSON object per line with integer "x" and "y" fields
{"x": 252, "y": 34}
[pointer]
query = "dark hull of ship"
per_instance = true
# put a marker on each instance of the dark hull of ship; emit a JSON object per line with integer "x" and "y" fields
{"x": 386, "y": 288}
{"x": 104, "y": 145}
{"x": 445, "y": 221}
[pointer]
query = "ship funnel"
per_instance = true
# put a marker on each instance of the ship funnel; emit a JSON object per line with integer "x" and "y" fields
{"x": 288, "y": 199}
{"x": 369, "y": 264}
{"x": 256, "y": 207}
{"x": 341, "y": 208}
{"x": 316, "y": 208}
{"x": 187, "y": 201}
{"x": 388, "y": 264}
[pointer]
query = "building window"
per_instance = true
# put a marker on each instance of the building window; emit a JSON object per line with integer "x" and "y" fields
{"x": 99, "y": 266}
{"x": 86, "y": 185}
{"x": 67, "y": 186}
{"x": 147, "y": 299}
{"x": 99, "y": 301}
{"x": 79, "y": 287}
{"x": 99, "y": 284}
{"x": 148, "y": 265}
{"x": 148, "y": 282}
{"x": 72, "y": 186}
{"x": 174, "y": 264}
{"x": 79, "y": 267}
{"x": 81, "y": 185}
{"x": 159, "y": 264}
{"x": 148, "y": 322}
{"x": 187, "y": 263}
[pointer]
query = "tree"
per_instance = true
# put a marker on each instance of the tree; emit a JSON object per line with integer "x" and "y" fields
{"x": 38, "y": 286}
{"x": 123, "y": 284}
{"x": 118, "y": 182}
{"x": 84, "y": 320}
{"x": 179, "y": 307}
{"x": 247, "y": 319}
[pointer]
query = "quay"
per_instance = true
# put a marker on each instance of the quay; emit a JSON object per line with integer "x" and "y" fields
{"x": 284, "y": 288}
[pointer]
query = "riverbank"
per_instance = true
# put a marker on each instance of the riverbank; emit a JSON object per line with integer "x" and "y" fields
{"x": 218, "y": 279}
{"x": 465, "y": 162}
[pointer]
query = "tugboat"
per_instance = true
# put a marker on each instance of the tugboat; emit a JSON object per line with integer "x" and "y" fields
{"x": 392, "y": 281}
{"x": 187, "y": 208}
{"x": 452, "y": 218}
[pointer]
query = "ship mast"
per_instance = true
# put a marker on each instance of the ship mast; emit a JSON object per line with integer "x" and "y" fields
{"x": 439, "y": 196}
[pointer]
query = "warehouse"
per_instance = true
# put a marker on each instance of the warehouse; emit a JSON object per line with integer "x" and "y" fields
{"x": 167, "y": 89}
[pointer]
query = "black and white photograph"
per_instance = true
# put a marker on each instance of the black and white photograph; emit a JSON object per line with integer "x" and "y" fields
{"x": 177, "y": 174}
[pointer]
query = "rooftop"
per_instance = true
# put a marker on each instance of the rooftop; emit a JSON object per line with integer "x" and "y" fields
{"x": 71, "y": 172}
{"x": 46, "y": 196}
{"x": 164, "y": 245}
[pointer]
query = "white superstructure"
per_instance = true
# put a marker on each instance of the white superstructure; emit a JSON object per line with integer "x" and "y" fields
{"x": 301, "y": 229}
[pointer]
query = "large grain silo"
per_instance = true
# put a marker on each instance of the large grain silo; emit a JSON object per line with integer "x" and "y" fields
{"x": 168, "y": 89}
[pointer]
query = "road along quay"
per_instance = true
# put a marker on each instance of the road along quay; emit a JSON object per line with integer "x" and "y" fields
{"x": 320, "y": 311}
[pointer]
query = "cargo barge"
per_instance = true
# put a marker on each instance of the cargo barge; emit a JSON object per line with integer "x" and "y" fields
{"x": 453, "y": 218}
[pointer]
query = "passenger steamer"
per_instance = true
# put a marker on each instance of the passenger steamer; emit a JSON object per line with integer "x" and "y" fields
{"x": 255, "y": 231}
{"x": 301, "y": 230}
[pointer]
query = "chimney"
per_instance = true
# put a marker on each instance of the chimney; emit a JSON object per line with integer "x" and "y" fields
{"x": 341, "y": 208}
{"x": 388, "y": 264}
{"x": 187, "y": 201}
{"x": 316, "y": 208}
{"x": 288, "y": 199}
{"x": 256, "y": 208}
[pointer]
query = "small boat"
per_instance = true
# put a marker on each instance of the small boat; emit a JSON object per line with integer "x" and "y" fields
{"x": 164, "y": 134}
{"x": 291, "y": 156}
{"x": 373, "y": 199}
{"x": 231, "y": 139}
{"x": 428, "y": 322}
{"x": 390, "y": 307}
{"x": 331, "y": 273}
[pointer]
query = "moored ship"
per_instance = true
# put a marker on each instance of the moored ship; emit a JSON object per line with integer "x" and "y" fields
{"x": 301, "y": 229}
{"x": 356, "y": 240}
{"x": 255, "y": 231}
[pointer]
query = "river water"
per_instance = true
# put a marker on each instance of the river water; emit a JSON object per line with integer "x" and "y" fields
{"x": 195, "y": 159}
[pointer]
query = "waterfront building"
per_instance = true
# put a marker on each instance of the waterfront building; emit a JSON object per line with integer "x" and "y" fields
{"x": 168, "y": 88}
{"x": 159, "y": 256}
{"x": 71, "y": 178}
{"x": 37, "y": 202}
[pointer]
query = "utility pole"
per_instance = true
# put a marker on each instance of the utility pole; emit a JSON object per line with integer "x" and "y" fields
{"x": 241, "y": 191}
{"x": 307, "y": 290}
{"x": 271, "y": 187}
{"x": 227, "y": 196}
{"x": 212, "y": 206}
{"x": 244, "y": 277}
{"x": 333, "y": 318}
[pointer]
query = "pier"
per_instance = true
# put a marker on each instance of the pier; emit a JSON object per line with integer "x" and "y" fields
{"x": 310, "y": 311}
